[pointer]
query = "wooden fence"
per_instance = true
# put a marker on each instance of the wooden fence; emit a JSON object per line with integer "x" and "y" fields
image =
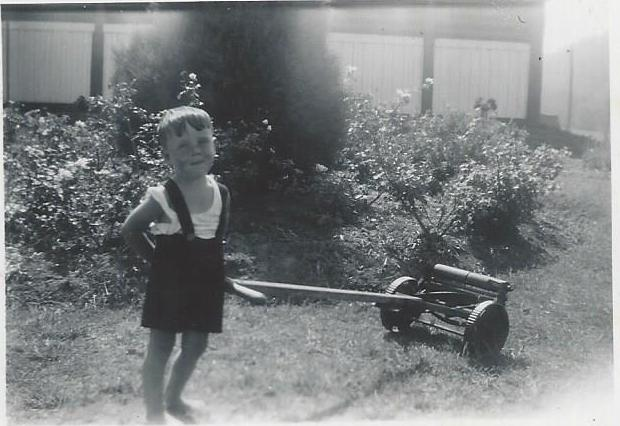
{"x": 46, "y": 61}
{"x": 463, "y": 70}
{"x": 383, "y": 65}
{"x": 50, "y": 62}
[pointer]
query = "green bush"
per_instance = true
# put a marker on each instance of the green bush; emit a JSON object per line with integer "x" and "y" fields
{"x": 247, "y": 161}
{"x": 456, "y": 175}
{"x": 256, "y": 61}
{"x": 70, "y": 185}
{"x": 32, "y": 279}
{"x": 500, "y": 196}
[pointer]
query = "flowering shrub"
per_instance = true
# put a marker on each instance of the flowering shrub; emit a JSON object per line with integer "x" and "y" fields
{"x": 455, "y": 175}
{"x": 70, "y": 184}
{"x": 68, "y": 188}
{"x": 500, "y": 194}
{"x": 483, "y": 107}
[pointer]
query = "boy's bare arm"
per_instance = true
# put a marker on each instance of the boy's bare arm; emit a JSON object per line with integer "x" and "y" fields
{"x": 137, "y": 223}
{"x": 227, "y": 218}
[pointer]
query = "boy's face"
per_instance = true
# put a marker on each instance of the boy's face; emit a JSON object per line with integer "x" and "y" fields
{"x": 192, "y": 154}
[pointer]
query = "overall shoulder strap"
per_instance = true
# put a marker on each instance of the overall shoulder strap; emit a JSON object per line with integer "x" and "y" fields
{"x": 222, "y": 228}
{"x": 180, "y": 207}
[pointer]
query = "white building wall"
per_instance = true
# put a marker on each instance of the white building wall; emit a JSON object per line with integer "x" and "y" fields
{"x": 576, "y": 88}
{"x": 575, "y": 84}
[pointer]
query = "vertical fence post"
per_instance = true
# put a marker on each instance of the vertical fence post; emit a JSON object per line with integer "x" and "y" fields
{"x": 536, "y": 64}
{"x": 6, "y": 29}
{"x": 427, "y": 71}
{"x": 96, "y": 69}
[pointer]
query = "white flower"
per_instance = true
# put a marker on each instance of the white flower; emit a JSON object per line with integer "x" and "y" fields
{"x": 80, "y": 123}
{"x": 265, "y": 122}
{"x": 192, "y": 76}
{"x": 269, "y": 128}
{"x": 64, "y": 174}
{"x": 404, "y": 95}
{"x": 82, "y": 162}
{"x": 320, "y": 168}
{"x": 349, "y": 77}
{"x": 428, "y": 83}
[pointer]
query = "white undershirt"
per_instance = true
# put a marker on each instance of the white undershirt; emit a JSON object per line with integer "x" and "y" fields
{"x": 205, "y": 223}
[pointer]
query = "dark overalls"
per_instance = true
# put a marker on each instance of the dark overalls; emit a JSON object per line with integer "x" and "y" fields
{"x": 186, "y": 282}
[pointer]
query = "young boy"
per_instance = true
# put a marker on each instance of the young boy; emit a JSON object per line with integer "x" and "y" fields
{"x": 188, "y": 217}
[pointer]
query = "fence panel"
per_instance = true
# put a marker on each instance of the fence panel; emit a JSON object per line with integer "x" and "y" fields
{"x": 5, "y": 31}
{"x": 48, "y": 61}
{"x": 383, "y": 65}
{"x": 465, "y": 70}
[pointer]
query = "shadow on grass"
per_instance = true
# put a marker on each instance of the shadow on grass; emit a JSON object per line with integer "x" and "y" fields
{"x": 411, "y": 338}
{"x": 444, "y": 342}
{"x": 498, "y": 364}
{"x": 417, "y": 334}
{"x": 386, "y": 379}
{"x": 332, "y": 410}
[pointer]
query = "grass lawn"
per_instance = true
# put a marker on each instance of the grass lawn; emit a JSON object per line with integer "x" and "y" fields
{"x": 335, "y": 362}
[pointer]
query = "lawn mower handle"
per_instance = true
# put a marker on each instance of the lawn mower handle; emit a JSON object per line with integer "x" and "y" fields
{"x": 253, "y": 296}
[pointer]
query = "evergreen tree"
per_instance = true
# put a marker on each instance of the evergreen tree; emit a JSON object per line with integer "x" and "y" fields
{"x": 254, "y": 62}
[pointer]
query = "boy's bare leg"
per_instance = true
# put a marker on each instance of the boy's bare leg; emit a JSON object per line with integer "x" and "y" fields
{"x": 159, "y": 348}
{"x": 193, "y": 345}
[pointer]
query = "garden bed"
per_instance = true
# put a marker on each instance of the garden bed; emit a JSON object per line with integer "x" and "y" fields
{"x": 316, "y": 362}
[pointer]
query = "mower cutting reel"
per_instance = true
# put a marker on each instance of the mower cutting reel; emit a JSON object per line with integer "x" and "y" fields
{"x": 457, "y": 301}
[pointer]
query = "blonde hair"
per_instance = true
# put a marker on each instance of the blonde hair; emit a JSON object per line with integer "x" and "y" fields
{"x": 174, "y": 120}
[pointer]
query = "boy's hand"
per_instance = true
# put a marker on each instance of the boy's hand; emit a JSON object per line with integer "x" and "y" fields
{"x": 253, "y": 296}
{"x": 137, "y": 223}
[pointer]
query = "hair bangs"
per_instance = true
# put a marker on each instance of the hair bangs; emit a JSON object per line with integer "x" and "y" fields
{"x": 175, "y": 119}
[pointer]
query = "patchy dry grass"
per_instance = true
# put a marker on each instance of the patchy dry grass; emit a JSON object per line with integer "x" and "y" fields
{"x": 333, "y": 361}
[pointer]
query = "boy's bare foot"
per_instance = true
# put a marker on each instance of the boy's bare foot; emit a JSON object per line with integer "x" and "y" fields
{"x": 182, "y": 412}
